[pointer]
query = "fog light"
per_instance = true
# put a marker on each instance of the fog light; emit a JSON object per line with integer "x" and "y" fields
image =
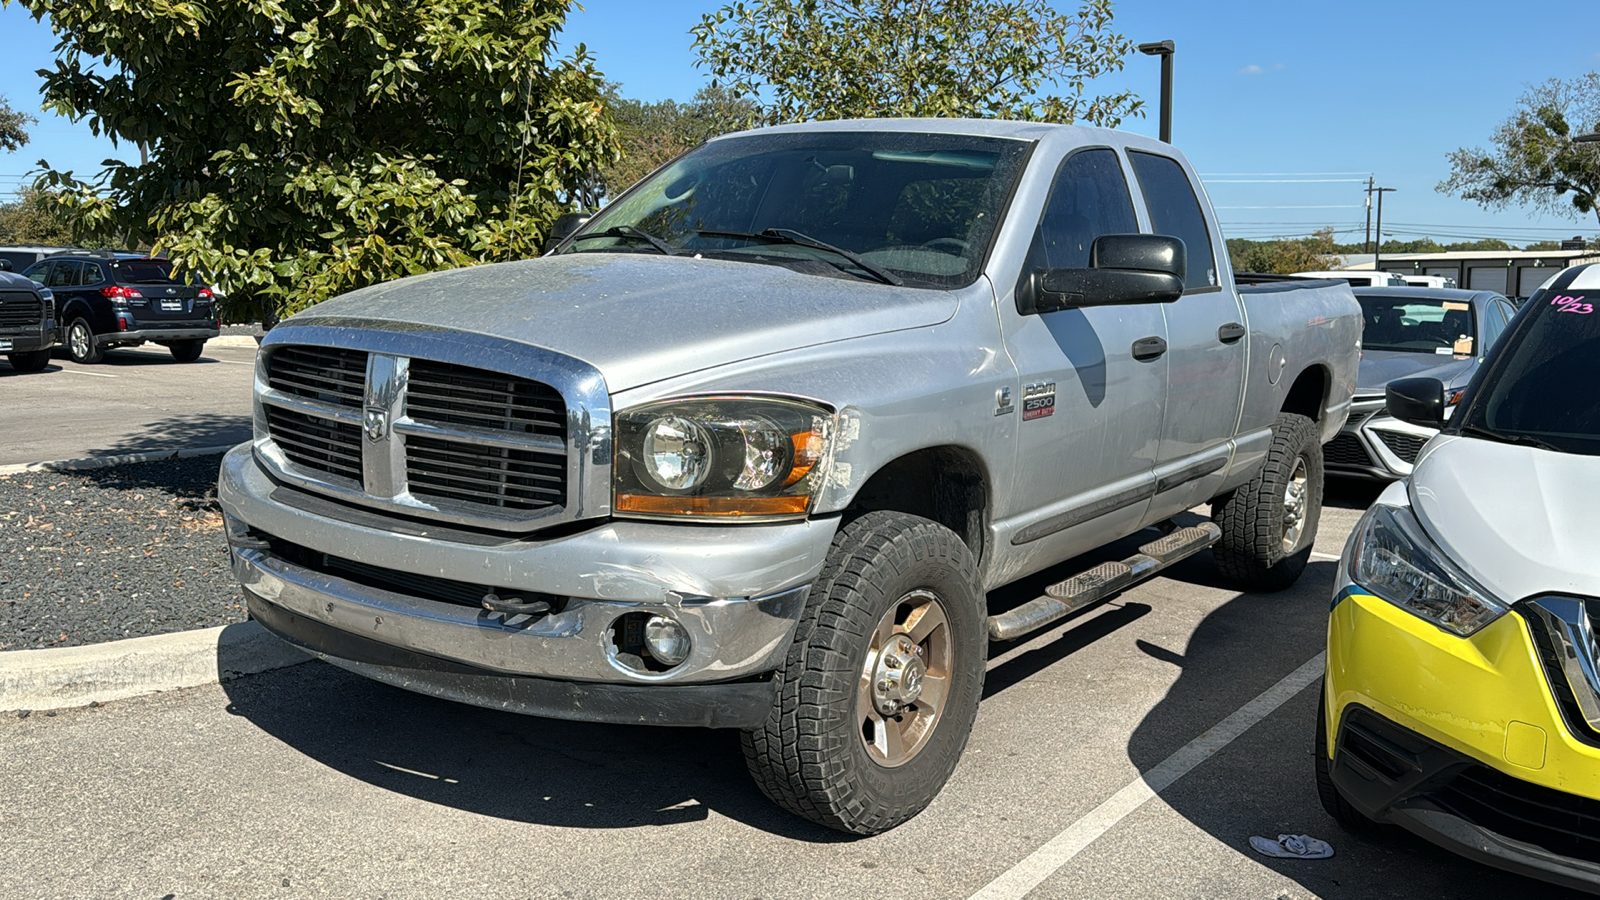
{"x": 666, "y": 640}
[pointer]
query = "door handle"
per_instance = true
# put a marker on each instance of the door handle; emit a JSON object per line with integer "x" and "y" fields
{"x": 1230, "y": 332}
{"x": 1149, "y": 348}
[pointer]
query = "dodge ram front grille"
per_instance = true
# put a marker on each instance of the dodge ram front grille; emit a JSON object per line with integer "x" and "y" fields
{"x": 20, "y": 314}
{"x": 323, "y": 445}
{"x": 420, "y": 436}
{"x": 329, "y": 374}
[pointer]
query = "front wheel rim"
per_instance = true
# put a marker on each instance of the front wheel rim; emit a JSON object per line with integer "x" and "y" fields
{"x": 1296, "y": 505}
{"x": 80, "y": 340}
{"x": 906, "y": 679}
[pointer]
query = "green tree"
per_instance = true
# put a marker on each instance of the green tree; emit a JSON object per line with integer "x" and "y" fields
{"x": 1534, "y": 161}
{"x": 297, "y": 149}
{"x": 1283, "y": 257}
{"x": 13, "y": 127}
{"x": 835, "y": 59}
{"x": 31, "y": 219}
{"x": 653, "y": 133}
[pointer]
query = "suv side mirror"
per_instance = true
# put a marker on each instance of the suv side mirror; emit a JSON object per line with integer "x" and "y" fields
{"x": 565, "y": 226}
{"x": 1123, "y": 268}
{"x": 1416, "y": 401}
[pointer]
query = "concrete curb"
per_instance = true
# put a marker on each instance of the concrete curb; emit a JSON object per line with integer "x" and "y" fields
{"x": 76, "y": 676}
{"x": 121, "y": 459}
{"x": 234, "y": 340}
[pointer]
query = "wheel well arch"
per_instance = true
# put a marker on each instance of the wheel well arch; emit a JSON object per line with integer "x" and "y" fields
{"x": 74, "y": 309}
{"x": 946, "y": 484}
{"x": 1308, "y": 396}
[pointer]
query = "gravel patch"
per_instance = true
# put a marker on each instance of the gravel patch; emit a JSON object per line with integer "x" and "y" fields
{"x": 105, "y": 554}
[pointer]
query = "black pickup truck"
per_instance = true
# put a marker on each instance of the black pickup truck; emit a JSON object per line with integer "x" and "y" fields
{"x": 27, "y": 323}
{"x": 108, "y": 299}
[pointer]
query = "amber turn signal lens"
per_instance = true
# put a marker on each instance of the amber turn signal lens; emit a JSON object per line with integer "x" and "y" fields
{"x": 731, "y": 507}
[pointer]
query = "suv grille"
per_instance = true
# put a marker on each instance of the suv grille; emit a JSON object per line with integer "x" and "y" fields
{"x": 436, "y": 437}
{"x": 329, "y": 374}
{"x": 1405, "y": 446}
{"x": 20, "y": 314}
{"x": 1345, "y": 450}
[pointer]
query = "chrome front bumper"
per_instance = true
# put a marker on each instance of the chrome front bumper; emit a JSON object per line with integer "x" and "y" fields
{"x": 739, "y": 591}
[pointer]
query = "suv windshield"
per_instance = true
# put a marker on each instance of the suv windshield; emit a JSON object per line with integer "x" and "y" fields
{"x": 921, "y": 208}
{"x": 1536, "y": 390}
{"x": 1417, "y": 324}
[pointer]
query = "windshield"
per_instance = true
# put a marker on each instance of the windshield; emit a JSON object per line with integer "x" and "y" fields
{"x": 922, "y": 207}
{"x": 1537, "y": 388}
{"x": 1417, "y": 324}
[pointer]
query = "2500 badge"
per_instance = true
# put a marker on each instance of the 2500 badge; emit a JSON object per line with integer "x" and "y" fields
{"x": 1038, "y": 400}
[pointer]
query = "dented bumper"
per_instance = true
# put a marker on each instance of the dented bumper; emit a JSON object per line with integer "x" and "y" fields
{"x": 737, "y": 590}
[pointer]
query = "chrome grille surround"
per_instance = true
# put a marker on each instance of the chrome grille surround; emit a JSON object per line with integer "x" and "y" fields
{"x": 568, "y": 438}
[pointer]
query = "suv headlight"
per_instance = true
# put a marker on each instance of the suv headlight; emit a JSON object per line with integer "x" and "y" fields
{"x": 1396, "y": 560}
{"x": 724, "y": 457}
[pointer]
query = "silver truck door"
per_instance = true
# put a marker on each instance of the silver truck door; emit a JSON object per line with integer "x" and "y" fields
{"x": 1206, "y": 345}
{"x": 1089, "y": 413}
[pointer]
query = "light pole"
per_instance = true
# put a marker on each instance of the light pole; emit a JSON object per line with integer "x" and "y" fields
{"x": 1584, "y": 138}
{"x": 1377, "y": 246}
{"x": 1163, "y": 49}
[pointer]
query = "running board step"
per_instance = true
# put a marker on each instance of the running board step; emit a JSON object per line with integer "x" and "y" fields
{"x": 1100, "y": 582}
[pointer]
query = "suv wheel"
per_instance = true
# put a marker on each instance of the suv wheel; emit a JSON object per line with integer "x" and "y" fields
{"x": 80, "y": 343}
{"x": 882, "y": 681}
{"x": 186, "y": 351}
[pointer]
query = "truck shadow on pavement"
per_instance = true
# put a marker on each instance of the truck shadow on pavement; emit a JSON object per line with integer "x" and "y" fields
{"x": 1263, "y": 783}
{"x": 182, "y": 431}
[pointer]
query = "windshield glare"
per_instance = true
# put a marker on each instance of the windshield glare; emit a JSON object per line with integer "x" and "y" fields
{"x": 921, "y": 206}
{"x": 1417, "y": 324}
{"x": 1538, "y": 386}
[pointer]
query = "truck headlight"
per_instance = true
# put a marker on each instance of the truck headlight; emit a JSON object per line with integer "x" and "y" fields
{"x": 734, "y": 457}
{"x": 1397, "y": 561}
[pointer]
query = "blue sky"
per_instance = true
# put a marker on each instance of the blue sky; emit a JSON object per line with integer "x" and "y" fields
{"x": 1283, "y": 106}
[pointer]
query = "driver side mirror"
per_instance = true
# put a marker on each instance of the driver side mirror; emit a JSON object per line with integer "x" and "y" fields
{"x": 5, "y": 265}
{"x": 565, "y": 226}
{"x": 1123, "y": 269}
{"x": 1416, "y": 401}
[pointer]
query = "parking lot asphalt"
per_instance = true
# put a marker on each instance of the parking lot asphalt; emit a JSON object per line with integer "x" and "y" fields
{"x": 310, "y": 782}
{"x": 135, "y": 400}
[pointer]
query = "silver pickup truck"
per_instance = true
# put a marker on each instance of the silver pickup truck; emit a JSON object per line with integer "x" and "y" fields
{"x": 749, "y": 448}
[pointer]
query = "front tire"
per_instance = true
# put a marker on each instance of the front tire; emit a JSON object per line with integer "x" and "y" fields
{"x": 186, "y": 351}
{"x": 1269, "y": 524}
{"x": 81, "y": 346}
{"x": 30, "y": 361}
{"x": 882, "y": 682}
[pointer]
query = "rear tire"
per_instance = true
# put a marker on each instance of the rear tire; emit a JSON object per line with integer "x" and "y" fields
{"x": 1269, "y": 524}
{"x": 81, "y": 346}
{"x": 895, "y": 621}
{"x": 186, "y": 351}
{"x": 30, "y": 361}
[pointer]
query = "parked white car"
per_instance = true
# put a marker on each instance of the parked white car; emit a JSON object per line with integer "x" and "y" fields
{"x": 1356, "y": 278}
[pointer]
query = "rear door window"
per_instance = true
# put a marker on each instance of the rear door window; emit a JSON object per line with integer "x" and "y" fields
{"x": 1175, "y": 210}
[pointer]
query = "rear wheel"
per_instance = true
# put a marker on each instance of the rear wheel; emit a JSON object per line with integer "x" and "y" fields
{"x": 1268, "y": 524}
{"x": 81, "y": 346}
{"x": 186, "y": 351}
{"x": 31, "y": 361}
{"x": 882, "y": 681}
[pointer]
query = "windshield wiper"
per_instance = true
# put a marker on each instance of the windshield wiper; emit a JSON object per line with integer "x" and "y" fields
{"x": 1521, "y": 440}
{"x": 790, "y": 236}
{"x": 628, "y": 231}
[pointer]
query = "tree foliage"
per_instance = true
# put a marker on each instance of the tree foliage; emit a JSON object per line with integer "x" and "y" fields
{"x": 1283, "y": 257}
{"x": 653, "y": 133}
{"x": 298, "y": 149}
{"x": 833, "y": 59}
{"x": 1534, "y": 161}
{"x": 31, "y": 219}
{"x": 13, "y": 127}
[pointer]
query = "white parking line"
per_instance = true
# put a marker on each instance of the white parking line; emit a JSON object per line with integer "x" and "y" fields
{"x": 1330, "y": 556}
{"x": 82, "y": 372}
{"x": 1028, "y": 874}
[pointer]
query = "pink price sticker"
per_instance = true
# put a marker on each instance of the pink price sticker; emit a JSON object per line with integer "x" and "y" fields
{"x": 1578, "y": 305}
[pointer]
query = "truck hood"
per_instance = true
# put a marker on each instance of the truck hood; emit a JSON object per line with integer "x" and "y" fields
{"x": 1520, "y": 518}
{"x": 1379, "y": 367}
{"x": 640, "y": 318}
